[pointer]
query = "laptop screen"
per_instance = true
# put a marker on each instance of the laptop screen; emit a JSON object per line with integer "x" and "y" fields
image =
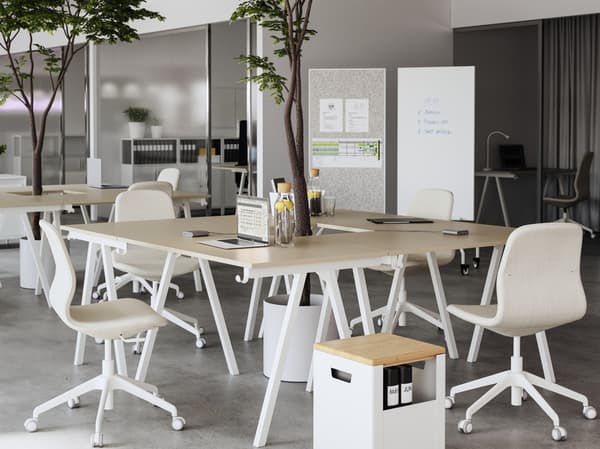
{"x": 512, "y": 156}
{"x": 252, "y": 218}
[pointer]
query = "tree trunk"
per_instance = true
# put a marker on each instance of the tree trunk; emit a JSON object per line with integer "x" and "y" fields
{"x": 36, "y": 184}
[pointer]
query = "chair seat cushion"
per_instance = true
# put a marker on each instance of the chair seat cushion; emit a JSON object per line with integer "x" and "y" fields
{"x": 148, "y": 263}
{"x": 485, "y": 316}
{"x": 419, "y": 261}
{"x": 113, "y": 319}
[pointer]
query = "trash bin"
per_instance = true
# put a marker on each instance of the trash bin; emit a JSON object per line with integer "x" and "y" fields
{"x": 357, "y": 404}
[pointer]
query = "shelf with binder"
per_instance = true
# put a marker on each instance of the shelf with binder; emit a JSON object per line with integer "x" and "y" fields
{"x": 148, "y": 151}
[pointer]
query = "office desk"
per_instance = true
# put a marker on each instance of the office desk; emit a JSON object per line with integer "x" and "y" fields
{"x": 324, "y": 255}
{"x": 242, "y": 169}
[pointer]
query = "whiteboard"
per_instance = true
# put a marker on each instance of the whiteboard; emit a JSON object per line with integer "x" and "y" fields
{"x": 436, "y": 135}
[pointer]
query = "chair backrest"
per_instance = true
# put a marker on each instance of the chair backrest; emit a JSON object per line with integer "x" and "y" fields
{"x": 144, "y": 204}
{"x": 539, "y": 282}
{"x": 582, "y": 178}
{"x": 434, "y": 204}
{"x": 163, "y": 186}
{"x": 170, "y": 175}
{"x": 64, "y": 283}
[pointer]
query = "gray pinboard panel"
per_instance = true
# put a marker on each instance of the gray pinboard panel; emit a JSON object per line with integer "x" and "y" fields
{"x": 354, "y": 188}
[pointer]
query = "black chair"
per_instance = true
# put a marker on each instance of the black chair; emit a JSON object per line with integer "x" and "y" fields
{"x": 582, "y": 192}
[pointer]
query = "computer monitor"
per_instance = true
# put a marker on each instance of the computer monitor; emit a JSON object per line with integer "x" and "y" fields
{"x": 512, "y": 157}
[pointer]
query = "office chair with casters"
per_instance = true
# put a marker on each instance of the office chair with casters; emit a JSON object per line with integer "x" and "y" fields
{"x": 435, "y": 204}
{"x": 109, "y": 321}
{"x": 145, "y": 265}
{"x": 582, "y": 193}
{"x": 538, "y": 288}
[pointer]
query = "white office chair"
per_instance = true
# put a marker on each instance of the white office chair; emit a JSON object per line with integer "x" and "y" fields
{"x": 111, "y": 320}
{"x": 145, "y": 265}
{"x": 170, "y": 175}
{"x": 434, "y": 204}
{"x": 538, "y": 287}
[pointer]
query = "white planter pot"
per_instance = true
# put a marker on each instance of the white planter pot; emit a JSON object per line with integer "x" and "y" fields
{"x": 137, "y": 130}
{"x": 27, "y": 270}
{"x": 302, "y": 336}
{"x": 156, "y": 131}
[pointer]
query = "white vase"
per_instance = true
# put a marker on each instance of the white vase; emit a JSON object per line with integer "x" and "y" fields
{"x": 137, "y": 130}
{"x": 156, "y": 131}
{"x": 27, "y": 269}
{"x": 302, "y": 336}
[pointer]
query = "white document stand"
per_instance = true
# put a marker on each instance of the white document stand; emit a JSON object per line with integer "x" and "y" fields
{"x": 349, "y": 413}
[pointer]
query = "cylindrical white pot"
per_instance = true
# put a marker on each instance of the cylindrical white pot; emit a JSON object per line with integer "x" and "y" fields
{"x": 156, "y": 131}
{"x": 27, "y": 270}
{"x": 137, "y": 130}
{"x": 302, "y": 336}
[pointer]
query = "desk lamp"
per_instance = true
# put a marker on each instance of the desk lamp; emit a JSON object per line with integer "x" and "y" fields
{"x": 487, "y": 148}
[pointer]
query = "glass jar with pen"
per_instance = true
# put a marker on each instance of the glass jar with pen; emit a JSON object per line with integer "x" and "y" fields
{"x": 285, "y": 217}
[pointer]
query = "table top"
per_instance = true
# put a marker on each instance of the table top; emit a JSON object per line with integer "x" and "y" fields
{"x": 71, "y": 194}
{"x": 166, "y": 235}
{"x": 381, "y": 349}
{"x": 232, "y": 168}
{"x": 514, "y": 174}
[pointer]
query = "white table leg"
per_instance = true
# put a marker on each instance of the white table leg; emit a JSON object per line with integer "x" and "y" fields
{"x": 268, "y": 407}
{"x": 253, "y": 309}
{"x": 215, "y": 305}
{"x": 389, "y": 319}
{"x": 109, "y": 277}
{"x": 38, "y": 283}
{"x": 86, "y": 297}
{"x": 545, "y": 357}
{"x": 242, "y": 182}
{"x": 36, "y": 257}
{"x": 502, "y": 202}
{"x": 481, "y": 200}
{"x": 158, "y": 303}
{"x": 187, "y": 213}
{"x": 335, "y": 298}
{"x": 111, "y": 216}
{"x": 84, "y": 214}
{"x": 364, "y": 302}
{"x": 486, "y": 298}
{"x": 440, "y": 297}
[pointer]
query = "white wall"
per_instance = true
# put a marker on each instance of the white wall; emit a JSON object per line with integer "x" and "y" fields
{"x": 484, "y": 12}
{"x": 178, "y": 14}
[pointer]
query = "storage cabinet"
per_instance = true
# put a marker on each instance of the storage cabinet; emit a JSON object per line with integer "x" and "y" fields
{"x": 349, "y": 387}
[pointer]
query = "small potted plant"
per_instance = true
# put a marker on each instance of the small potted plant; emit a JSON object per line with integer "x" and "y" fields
{"x": 2, "y": 148}
{"x": 137, "y": 121}
{"x": 156, "y": 128}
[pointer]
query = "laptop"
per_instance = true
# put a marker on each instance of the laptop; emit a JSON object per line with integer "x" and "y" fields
{"x": 399, "y": 220}
{"x": 252, "y": 225}
{"x": 512, "y": 157}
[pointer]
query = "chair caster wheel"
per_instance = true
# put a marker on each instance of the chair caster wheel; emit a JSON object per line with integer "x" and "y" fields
{"x": 465, "y": 426}
{"x": 380, "y": 322}
{"x": 31, "y": 425}
{"x": 95, "y": 295}
{"x": 180, "y": 295}
{"x": 177, "y": 423}
{"x": 97, "y": 440}
{"x": 449, "y": 402}
{"x": 200, "y": 343}
{"x": 136, "y": 351}
{"x": 476, "y": 261}
{"x": 98, "y": 341}
{"x": 74, "y": 402}
{"x": 589, "y": 412}
{"x": 464, "y": 269}
{"x": 559, "y": 433}
{"x": 593, "y": 235}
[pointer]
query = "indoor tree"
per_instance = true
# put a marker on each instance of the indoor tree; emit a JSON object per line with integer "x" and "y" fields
{"x": 288, "y": 23}
{"x": 78, "y": 22}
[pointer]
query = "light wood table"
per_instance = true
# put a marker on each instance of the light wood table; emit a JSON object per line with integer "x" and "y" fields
{"x": 241, "y": 169}
{"x": 324, "y": 255}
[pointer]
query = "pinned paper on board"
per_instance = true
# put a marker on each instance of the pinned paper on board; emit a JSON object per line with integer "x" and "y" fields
{"x": 331, "y": 115}
{"x": 357, "y": 115}
{"x": 364, "y": 153}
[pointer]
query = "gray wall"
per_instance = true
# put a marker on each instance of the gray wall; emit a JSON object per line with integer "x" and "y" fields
{"x": 359, "y": 34}
{"x": 507, "y": 87}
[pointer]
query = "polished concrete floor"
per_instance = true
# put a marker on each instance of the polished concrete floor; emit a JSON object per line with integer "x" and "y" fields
{"x": 36, "y": 352}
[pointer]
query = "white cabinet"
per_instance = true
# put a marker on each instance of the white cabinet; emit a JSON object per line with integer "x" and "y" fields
{"x": 10, "y": 224}
{"x": 348, "y": 394}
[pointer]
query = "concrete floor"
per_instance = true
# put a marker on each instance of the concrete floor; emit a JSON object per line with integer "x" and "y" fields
{"x": 36, "y": 352}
